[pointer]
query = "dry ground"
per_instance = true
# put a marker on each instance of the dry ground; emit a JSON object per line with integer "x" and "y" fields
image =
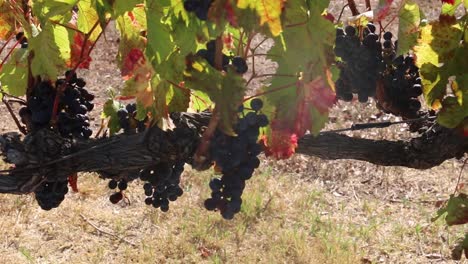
{"x": 304, "y": 210}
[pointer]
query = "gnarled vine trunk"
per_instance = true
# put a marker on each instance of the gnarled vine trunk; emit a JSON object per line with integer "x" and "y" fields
{"x": 46, "y": 156}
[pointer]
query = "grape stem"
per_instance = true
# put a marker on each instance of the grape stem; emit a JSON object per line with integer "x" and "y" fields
{"x": 6, "y": 43}
{"x": 271, "y": 91}
{"x": 186, "y": 89}
{"x": 199, "y": 159}
{"x": 256, "y": 76}
{"x": 341, "y": 13}
{"x": 459, "y": 177}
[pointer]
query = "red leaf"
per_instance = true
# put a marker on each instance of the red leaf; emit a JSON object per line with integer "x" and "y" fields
{"x": 452, "y": 2}
{"x": 134, "y": 58}
{"x": 230, "y": 14}
{"x": 329, "y": 17}
{"x": 283, "y": 144}
{"x": 79, "y": 52}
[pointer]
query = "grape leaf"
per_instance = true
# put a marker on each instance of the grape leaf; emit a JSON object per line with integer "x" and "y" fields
{"x": 269, "y": 12}
{"x": 408, "y": 29}
{"x": 455, "y": 210}
{"x": 178, "y": 98}
{"x": 382, "y": 10}
{"x": 59, "y": 11}
{"x": 449, "y": 7}
{"x": 441, "y": 57}
{"x": 131, "y": 46}
{"x": 79, "y": 52}
{"x": 159, "y": 38}
{"x": 87, "y": 18}
{"x": 13, "y": 74}
{"x": 51, "y": 50}
{"x": 304, "y": 51}
{"x": 226, "y": 90}
{"x": 110, "y": 110}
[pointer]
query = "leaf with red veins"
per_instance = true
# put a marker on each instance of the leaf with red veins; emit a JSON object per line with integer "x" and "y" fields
{"x": 132, "y": 60}
{"x": 230, "y": 14}
{"x": 80, "y": 52}
{"x": 319, "y": 95}
{"x": 382, "y": 10}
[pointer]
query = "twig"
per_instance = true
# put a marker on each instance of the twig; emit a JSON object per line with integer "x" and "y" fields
{"x": 368, "y": 5}
{"x": 107, "y": 233}
{"x": 460, "y": 176}
{"x": 352, "y": 6}
{"x": 18, "y": 124}
{"x": 341, "y": 13}
{"x": 271, "y": 91}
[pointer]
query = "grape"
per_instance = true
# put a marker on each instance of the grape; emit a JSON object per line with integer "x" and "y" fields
{"x": 387, "y": 44}
{"x": 388, "y": 35}
{"x": 191, "y": 5}
{"x": 122, "y": 185}
{"x": 240, "y": 65}
{"x": 371, "y": 27}
{"x": 149, "y": 201}
{"x": 350, "y": 30}
{"x": 256, "y": 104}
{"x": 340, "y": 32}
{"x": 116, "y": 197}
{"x": 112, "y": 184}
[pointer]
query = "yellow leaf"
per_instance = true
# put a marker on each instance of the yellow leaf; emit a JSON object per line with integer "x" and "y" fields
{"x": 268, "y": 10}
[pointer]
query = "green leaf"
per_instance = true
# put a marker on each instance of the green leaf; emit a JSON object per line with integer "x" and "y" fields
{"x": 14, "y": 74}
{"x": 408, "y": 29}
{"x": 226, "y": 90}
{"x": 455, "y": 210}
{"x": 452, "y": 113}
{"x": 57, "y": 10}
{"x": 110, "y": 110}
{"x": 449, "y": 9}
{"x": 51, "y": 49}
{"x": 158, "y": 35}
{"x": 178, "y": 98}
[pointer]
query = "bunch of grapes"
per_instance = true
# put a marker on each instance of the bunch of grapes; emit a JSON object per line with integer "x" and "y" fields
{"x": 240, "y": 65}
{"x": 75, "y": 103}
{"x": 237, "y": 159}
{"x": 400, "y": 81}
{"x": 127, "y": 120}
{"x": 199, "y": 7}
{"x": 162, "y": 184}
{"x": 50, "y": 194}
{"x": 361, "y": 62}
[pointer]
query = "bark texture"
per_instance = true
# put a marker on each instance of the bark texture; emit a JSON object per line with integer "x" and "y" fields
{"x": 44, "y": 155}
